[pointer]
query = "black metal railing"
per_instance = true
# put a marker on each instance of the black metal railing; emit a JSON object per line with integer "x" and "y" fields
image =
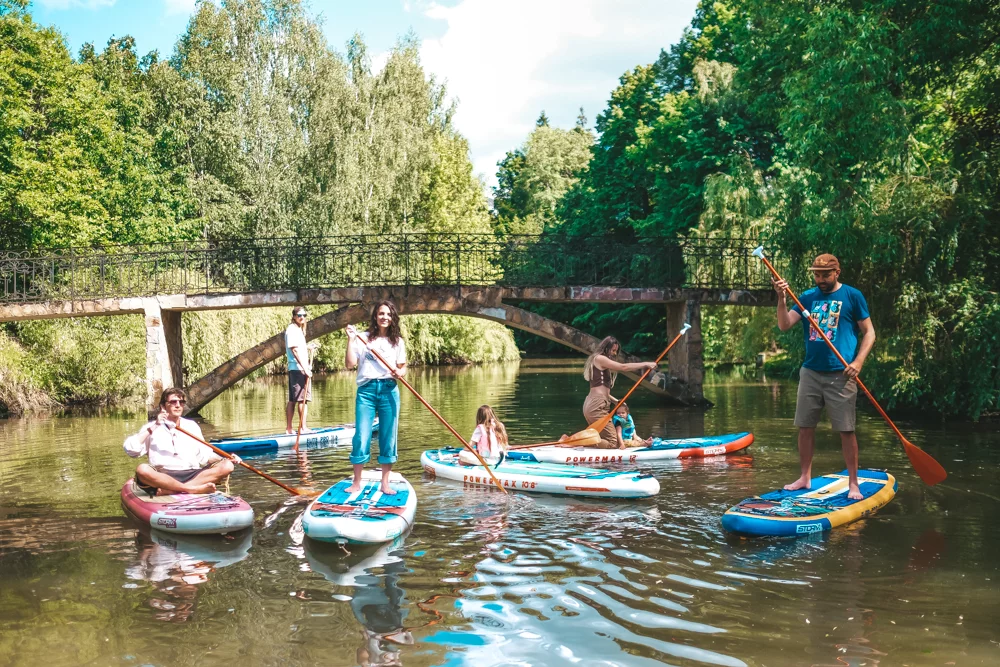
{"x": 269, "y": 264}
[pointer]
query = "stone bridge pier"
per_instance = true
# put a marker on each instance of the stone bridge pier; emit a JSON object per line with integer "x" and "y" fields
{"x": 164, "y": 350}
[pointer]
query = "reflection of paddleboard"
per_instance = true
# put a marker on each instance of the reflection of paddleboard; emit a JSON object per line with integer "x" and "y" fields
{"x": 823, "y": 506}
{"x": 320, "y": 437}
{"x": 658, "y": 451}
{"x": 366, "y": 516}
{"x": 542, "y": 477}
{"x": 166, "y": 555}
{"x": 202, "y": 513}
{"x": 345, "y": 570}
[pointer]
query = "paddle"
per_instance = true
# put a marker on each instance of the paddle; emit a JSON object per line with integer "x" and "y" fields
{"x": 302, "y": 403}
{"x": 225, "y": 454}
{"x": 592, "y": 434}
{"x": 434, "y": 412}
{"x": 930, "y": 471}
{"x": 302, "y": 415}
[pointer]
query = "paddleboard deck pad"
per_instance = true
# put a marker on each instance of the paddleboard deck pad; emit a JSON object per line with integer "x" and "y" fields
{"x": 367, "y": 516}
{"x": 660, "y": 450}
{"x": 535, "y": 477}
{"x": 320, "y": 437}
{"x": 823, "y": 506}
{"x": 187, "y": 513}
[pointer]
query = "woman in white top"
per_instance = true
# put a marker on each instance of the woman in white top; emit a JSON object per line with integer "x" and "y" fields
{"x": 377, "y": 390}
{"x": 489, "y": 438}
{"x": 177, "y": 462}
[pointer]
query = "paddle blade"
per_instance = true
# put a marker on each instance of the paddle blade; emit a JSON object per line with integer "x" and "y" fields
{"x": 585, "y": 438}
{"x": 930, "y": 471}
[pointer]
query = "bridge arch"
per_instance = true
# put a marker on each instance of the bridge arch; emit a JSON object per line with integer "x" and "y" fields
{"x": 485, "y": 304}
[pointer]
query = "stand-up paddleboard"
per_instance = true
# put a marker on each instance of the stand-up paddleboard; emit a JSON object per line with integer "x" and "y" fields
{"x": 326, "y": 436}
{"x": 823, "y": 506}
{"x": 367, "y": 516}
{"x": 660, "y": 450}
{"x": 188, "y": 513}
{"x": 537, "y": 477}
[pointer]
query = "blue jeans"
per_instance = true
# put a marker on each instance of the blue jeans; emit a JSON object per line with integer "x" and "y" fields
{"x": 382, "y": 397}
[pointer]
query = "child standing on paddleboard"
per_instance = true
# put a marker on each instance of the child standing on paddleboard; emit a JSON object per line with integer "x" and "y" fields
{"x": 625, "y": 428}
{"x": 489, "y": 438}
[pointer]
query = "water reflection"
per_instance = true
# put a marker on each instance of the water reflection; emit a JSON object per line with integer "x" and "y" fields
{"x": 377, "y": 600}
{"x": 177, "y": 565}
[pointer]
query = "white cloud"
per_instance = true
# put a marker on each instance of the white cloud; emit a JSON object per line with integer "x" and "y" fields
{"x": 179, "y": 6}
{"x": 68, "y": 4}
{"x": 505, "y": 62}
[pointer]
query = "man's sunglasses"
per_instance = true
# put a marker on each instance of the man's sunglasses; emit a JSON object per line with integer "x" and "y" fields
{"x": 301, "y": 314}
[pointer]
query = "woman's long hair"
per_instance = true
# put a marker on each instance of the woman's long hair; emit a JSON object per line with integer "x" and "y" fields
{"x": 394, "y": 333}
{"x": 486, "y": 418}
{"x": 603, "y": 348}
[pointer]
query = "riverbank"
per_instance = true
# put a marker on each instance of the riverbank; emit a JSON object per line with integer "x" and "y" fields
{"x": 101, "y": 361}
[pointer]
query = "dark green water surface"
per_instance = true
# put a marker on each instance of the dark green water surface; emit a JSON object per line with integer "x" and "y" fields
{"x": 483, "y": 579}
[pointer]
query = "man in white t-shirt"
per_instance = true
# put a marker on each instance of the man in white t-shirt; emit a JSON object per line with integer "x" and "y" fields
{"x": 299, "y": 368}
{"x": 177, "y": 462}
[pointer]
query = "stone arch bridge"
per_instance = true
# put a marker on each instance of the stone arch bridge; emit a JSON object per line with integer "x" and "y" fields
{"x": 473, "y": 275}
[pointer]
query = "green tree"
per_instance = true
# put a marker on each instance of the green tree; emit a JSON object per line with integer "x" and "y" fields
{"x": 534, "y": 178}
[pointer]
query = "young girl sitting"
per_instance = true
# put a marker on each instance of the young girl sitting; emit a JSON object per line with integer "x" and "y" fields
{"x": 489, "y": 438}
{"x": 625, "y": 428}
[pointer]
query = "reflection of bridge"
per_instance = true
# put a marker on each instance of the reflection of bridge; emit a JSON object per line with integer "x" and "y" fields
{"x": 475, "y": 275}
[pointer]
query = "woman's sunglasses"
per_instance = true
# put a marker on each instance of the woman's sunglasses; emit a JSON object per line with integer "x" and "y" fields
{"x": 176, "y": 401}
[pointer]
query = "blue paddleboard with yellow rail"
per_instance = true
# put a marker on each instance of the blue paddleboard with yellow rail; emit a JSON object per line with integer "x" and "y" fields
{"x": 824, "y": 505}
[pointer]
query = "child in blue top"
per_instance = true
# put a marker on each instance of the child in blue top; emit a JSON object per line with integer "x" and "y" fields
{"x": 625, "y": 428}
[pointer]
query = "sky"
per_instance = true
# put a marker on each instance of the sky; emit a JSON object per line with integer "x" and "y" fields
{"x": 504, "y": 61}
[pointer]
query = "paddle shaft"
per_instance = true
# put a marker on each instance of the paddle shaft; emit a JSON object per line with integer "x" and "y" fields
{"x": 434, "y": 412}
{"x": 225, "y": 454}
{"x": 302, "y": 414}
{"x": 911, "y": 449}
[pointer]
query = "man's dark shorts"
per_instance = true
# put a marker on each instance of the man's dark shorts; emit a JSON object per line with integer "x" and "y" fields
{"x": 182, "y": 476}
{"x": 297, "y": 387}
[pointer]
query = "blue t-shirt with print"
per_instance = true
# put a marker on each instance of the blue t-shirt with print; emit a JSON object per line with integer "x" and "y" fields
{"x": 837, "y": 314}
{"x": 628, "y": 426}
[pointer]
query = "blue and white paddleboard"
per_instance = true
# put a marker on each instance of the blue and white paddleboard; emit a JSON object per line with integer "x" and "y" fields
{"x": 821, "y": 507}
{"x": 326, "y": 436}
{"x": 537, "y": 477}
{"x": 367, "y": 516}
{"x": 660, "y": 450}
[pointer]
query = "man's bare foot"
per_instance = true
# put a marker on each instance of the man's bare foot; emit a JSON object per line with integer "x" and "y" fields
{"x": 289, "y": 431}
{"x": 854, "y": 493}
{"x": 307, "y": 430}
{"x": 188, "y": 488}
{"x": 388, "y": 491}
{"x": 354, "y": 488}
{"x": 800, "y": 483}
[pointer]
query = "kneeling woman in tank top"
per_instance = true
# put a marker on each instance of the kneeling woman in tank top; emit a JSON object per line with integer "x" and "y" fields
{"x": 601, "y": 370}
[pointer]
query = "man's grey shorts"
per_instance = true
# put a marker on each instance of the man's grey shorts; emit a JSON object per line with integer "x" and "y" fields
{"x": 833, "y": 390}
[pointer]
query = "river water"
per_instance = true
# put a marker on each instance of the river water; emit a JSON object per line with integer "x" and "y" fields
{"x": 489, "y": 580}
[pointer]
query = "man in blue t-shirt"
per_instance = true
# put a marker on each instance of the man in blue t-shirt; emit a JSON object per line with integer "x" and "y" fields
{"x": 842, "y": 313}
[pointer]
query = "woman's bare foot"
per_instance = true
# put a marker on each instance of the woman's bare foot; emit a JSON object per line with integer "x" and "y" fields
{"x": 388, "y": 490}
{"x": 800, "y": 483}
{"x": 354, "y": 488}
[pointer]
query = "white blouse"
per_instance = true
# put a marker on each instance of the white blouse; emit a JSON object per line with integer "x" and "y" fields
{"x": 369, "y": 367}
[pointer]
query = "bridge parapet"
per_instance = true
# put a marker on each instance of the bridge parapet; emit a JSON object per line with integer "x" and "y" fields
{"x": 283, "y": 264}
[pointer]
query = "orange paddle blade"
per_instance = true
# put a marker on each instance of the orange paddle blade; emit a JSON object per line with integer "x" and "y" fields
{"x": 930, "y": 471}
